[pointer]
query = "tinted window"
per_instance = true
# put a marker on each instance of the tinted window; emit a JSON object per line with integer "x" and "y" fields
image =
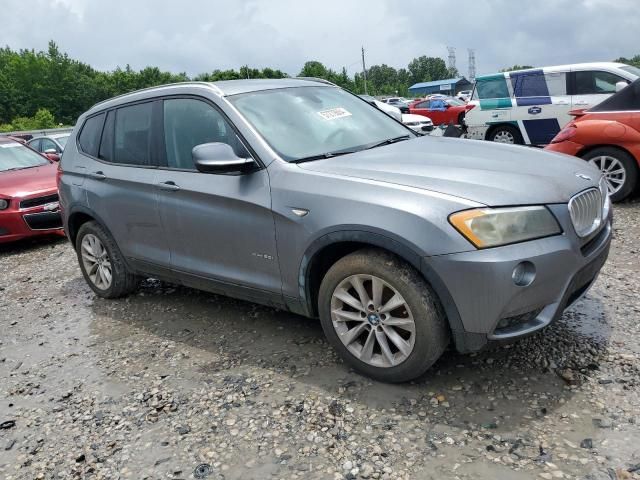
{"x": 106, "y": 145}
{"x": 132, "y": 134}
{"x": 422, "y": 105}
{"x": 189, "y": 122}
{"x": 90, "y": 135}
{"x": 588, "y": 83}
{"x": 492, "y": 87}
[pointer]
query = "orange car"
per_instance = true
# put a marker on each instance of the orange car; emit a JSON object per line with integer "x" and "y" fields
{"x": 607, "y": 136}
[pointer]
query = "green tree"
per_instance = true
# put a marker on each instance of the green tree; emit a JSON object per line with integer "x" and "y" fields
{"x": 516, "y": 67}
{"x": 427, "y": 69}
{"x": 634, "y": 61}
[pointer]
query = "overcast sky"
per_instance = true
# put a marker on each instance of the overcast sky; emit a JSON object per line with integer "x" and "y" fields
{"x": 201, "y": 35}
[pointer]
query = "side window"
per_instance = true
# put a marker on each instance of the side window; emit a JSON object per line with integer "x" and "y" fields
{"x": 189, "y": 122}
{"x": 423, "y": 105}
{"x": 132, "y": 134}
{"x": 494, "y": 86}
{"x": 590, "y": 83}
{"x": 106, "y": 144}
{"x": 47, "y": 144}
{"x": 90, "y": 135}
{"x": 557, "y": 84}
{"x": 35, "y": 144}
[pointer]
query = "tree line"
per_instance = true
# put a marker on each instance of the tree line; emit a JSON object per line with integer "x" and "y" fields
{"x": 44, "y": 89}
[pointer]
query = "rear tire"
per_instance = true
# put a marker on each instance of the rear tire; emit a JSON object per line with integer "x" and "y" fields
{"x": 619, "y": 168}
{"x": 101, "y": 262}
{"x": 403, "y": 329}
{"x": 507, "y": 134}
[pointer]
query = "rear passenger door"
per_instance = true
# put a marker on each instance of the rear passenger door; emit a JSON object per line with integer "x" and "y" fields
{"x": 220, "y": 227}
{"x": 590, "y": 87}
{"x": 542, "y": 104}
{"x": 121, "y": 168}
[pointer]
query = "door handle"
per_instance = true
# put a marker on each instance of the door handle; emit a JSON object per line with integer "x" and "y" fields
{"x": 169, "y": 186}
{"x": 98, "y": 176}
{"x": 562, "y": 103}
{"x": 582, "y": 103}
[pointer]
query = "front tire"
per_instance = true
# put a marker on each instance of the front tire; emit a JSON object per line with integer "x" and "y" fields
{"x": 620, "y": 170}
{"x": 507, "y": 134}
{"x": 381, "y": 316}
{"x": 101, "y": 262}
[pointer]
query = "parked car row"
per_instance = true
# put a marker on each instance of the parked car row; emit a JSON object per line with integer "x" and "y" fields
{"x": 531, "y": 106}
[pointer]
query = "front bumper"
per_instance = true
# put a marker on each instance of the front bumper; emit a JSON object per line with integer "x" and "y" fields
{"x": 17, "y": 223}
{"x": 484, "y": 304}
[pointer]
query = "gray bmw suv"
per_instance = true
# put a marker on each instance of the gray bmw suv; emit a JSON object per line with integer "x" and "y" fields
{"x": 297, "y": 194}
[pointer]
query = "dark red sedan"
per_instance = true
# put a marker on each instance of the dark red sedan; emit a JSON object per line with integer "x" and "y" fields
{"x": 28, "y": 193}
{"x": 441, "y": 110}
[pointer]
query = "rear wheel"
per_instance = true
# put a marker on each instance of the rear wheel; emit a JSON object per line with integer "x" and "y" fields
{"x": 381, "y": 316}
{"x": 620, "y": 170}
{"x": 102, "y": 264}
{"x": 506, "y": 134}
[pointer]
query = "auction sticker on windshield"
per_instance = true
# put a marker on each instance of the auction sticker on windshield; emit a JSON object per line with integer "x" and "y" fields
{"x": 334, "y": 113}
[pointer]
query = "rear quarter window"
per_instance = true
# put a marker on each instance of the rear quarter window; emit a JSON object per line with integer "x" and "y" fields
{"x": 89, "y": 138}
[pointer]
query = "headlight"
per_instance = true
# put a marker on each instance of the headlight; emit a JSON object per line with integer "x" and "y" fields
{"x": 491, "y": 227}
{"x": 3, "y": 204}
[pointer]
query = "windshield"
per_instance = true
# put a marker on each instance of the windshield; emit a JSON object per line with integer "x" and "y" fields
{"x": 14, "y": 156}
{"x": 303, "y": 122}
{"x": 631, "y": 69}
{"x": 62, "y": 141}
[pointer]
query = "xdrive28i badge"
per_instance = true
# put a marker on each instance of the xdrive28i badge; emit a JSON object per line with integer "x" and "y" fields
{"x": 535, "y": 110}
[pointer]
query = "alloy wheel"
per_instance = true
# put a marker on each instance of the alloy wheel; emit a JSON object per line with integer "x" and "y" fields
{"x": 373, "y": 320}
{"x": 613, "y": 170}
{"x": 96, "y": 262}
{"x": 504, "y": 136}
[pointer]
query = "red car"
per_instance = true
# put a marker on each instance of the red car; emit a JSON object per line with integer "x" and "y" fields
{"x": 608, "y": 137}
{"x": 441, "y": 110}
{"x": 28, "y": 193}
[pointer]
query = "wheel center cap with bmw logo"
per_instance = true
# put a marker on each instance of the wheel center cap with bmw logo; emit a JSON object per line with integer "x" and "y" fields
{"x": 374, "y": 319}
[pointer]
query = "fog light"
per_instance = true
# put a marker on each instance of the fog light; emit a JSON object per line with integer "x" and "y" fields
{"x": 524, "y": 274}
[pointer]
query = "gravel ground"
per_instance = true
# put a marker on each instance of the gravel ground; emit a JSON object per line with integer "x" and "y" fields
{"x": 174, "y": 383}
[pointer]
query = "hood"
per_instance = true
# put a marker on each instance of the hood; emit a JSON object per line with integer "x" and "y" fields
{"x": 484, "y": 172}
{"x": 23, "y": 183}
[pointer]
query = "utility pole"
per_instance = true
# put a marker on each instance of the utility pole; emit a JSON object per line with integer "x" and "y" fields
{"x": 472, "y": 64}
{"x": 364, "y": 73}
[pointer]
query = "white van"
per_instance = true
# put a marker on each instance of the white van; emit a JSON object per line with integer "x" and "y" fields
{"x": 530, "y": 106}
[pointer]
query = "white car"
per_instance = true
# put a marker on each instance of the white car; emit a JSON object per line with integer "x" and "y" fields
{"x": 417, "y": 123}
{"x": 464, "y": 95}
{"x": 530, "y": 106}
{"x": 393, "y": 112}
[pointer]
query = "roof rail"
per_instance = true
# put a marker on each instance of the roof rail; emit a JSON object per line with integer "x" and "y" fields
{"x": 209, "y": 84}
{"x": 316, "y": 79}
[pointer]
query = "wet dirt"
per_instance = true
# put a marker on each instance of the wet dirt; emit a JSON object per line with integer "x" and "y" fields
{"x": 175, "y": 383}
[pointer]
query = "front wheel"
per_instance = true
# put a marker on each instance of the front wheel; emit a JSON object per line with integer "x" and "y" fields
{"x": 506, "y": 134}
{"x": 620, "y": 170}
{"x": 381, "y": 316}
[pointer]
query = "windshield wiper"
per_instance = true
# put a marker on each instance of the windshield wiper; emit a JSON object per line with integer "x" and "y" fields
{"x": 322, "y": 156}
{"x": 389, "y": 141}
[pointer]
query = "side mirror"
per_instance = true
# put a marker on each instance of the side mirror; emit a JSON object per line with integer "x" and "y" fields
{"x": 621, "y": 85}
{"x": 52, "y": 156}
{"x": 49, "y": 151}
{"x": 220, "y": 158}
